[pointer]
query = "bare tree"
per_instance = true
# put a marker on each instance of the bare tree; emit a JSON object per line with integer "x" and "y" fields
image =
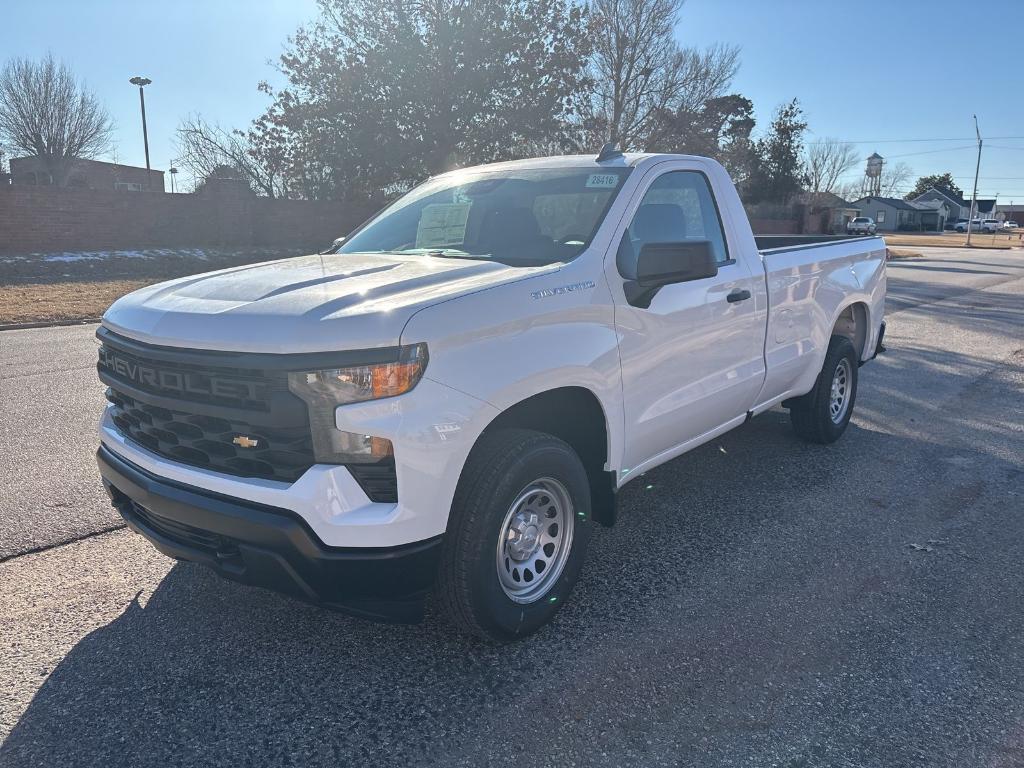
{"x": 826, "y": 162}
{"x": 47, "y": 113}
{"x": 705, "y": 75}
{"x": 640, "y": 71}
{"x": 207, "y": 150}
{"x": 896, "y": 179}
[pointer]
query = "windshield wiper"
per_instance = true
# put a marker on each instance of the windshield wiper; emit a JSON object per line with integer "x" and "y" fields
{"x": 445, "y": 253}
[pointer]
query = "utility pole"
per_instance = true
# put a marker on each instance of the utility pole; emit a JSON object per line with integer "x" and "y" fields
{"x": 974, "y": 195}
{"x": 141, "y": 83}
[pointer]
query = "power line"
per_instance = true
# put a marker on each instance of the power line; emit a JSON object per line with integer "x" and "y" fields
{"x": 932, "y": 151}
{"x": 909, "y": 141}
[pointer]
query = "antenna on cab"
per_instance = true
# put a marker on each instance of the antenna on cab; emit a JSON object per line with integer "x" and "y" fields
{"x": 609, "y": 152}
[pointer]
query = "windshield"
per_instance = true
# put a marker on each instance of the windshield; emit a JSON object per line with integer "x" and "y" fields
{"x": 522, "y": 218}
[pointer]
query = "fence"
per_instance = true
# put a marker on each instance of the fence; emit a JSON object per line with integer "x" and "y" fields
{"x": 41, "y": 219}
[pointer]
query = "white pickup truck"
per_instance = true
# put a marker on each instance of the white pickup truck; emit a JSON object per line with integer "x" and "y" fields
{"x": 454, "y": 398}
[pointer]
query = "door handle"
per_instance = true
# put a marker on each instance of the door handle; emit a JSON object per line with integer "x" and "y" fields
{"x": 738, "y": 295}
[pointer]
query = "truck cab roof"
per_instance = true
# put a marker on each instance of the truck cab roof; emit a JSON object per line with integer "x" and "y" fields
{"x": 625, "y": 160}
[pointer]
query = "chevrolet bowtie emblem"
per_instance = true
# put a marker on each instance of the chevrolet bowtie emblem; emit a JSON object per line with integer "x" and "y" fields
{"x": 243, "y": 441}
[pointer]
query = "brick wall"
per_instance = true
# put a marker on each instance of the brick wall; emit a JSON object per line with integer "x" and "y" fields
{"x": 775, "y": 226}
{"x": 40, "y": 219}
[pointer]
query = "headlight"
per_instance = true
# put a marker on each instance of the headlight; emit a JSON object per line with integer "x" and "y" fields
{"x": 325, "y": 390}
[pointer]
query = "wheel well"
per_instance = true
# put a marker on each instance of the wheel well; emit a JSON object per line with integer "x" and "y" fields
{"x": 853, "y": 324}
{"x": 575, "y": 415}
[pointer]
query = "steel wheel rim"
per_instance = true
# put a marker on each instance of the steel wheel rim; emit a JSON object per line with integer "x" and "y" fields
{"x": 839, "y": 398}
{"x": 535, "y": 540}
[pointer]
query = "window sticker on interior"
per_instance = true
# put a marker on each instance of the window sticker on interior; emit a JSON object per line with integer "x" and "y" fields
{"x": 442, "y": 224}
{"x": 602, "y": 181}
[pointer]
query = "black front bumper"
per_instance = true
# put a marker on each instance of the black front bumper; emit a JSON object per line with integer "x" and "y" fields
{"x": 270, "y": 547}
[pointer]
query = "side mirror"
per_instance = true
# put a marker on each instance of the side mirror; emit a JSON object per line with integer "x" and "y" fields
{"x": 661, "y": 264}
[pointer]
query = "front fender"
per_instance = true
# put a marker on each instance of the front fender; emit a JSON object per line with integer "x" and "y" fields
{"x": 512, "y": 342}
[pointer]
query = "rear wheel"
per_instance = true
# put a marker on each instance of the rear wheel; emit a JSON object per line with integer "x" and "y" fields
{"x": 821, "y": 416}
{"x": 517, "y": 535}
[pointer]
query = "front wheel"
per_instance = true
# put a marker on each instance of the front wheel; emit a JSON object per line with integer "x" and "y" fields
{"x": 517, "y": 535}
{"x": 822, "y": 415}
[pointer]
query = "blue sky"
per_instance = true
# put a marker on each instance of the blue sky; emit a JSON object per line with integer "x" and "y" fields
{"x": 873, "y": 73}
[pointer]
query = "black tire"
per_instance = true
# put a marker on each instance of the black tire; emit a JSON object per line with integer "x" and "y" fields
{"x": 502, "y": 465}
{"x": 811, "y": 414}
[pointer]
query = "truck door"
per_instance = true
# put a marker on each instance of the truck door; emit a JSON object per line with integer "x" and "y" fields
{"x": 693, "y": 360}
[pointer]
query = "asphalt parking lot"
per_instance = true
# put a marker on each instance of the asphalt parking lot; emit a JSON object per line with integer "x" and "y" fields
{"x": 761, "y": 602}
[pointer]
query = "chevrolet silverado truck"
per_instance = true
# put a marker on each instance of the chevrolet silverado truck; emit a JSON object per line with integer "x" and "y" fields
{"x": 453, "y": 399}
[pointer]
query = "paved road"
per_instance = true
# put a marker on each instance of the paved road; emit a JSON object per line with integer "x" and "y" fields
{"x": 762, "y": 602}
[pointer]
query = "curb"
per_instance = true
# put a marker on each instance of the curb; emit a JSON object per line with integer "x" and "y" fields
{"x": 47, "y": 324}
{"x": 963, "y": 247}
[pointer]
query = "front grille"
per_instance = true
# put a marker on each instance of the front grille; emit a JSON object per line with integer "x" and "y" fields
{"x": 191, "y": 406}
{"x": 189, "y": 382}
{"x": 207, "y": 441}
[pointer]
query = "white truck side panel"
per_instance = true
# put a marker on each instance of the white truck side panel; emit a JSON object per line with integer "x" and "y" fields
{"x": 808, "y": 288}
{"x": 692, "y": 362}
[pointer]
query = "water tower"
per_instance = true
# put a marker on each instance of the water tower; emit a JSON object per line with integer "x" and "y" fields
{"x": 874, "y": 173}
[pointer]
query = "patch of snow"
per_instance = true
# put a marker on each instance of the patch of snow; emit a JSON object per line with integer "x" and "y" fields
{"x": 69, "y": 256}
{"x": 74, "y": 257}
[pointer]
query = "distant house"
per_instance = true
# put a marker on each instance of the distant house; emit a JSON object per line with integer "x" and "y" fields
{"x": 893, "y": 215}
{"x": 88, "y": 174}
{"x": 983, "y": 209}
{"x": 956, "y": 206}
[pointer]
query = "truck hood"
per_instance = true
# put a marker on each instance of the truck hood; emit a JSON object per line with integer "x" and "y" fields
{"x": 304, "y": 304}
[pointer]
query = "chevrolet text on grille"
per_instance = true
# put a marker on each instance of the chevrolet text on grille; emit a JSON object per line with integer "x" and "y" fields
{"x": 184, "y": 382}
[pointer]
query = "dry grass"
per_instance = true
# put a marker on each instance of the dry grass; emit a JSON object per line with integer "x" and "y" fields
{"x": 953, "y": 240}
{"x": 69, "y": 287}
{"x": 61, "y": 302}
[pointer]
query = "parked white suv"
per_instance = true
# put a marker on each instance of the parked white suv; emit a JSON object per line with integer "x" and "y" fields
{"x": 454, "y": 398}
{"x": 961, "y": 225}
{"x": 862, "y": 225}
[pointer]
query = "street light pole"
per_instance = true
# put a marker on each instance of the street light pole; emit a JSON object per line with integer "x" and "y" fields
{"x": 974, "y": 195}
{"x": 142, "y": 82}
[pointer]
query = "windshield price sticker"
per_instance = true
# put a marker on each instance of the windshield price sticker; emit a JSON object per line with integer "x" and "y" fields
{"x": 602, "y": 181}
{"x": 442, "y": 224}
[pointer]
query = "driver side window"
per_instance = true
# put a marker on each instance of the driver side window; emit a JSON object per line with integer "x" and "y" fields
{"x": 678, "y": 207}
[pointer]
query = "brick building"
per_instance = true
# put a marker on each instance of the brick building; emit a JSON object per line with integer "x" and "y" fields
{"x": 87, "y": 174}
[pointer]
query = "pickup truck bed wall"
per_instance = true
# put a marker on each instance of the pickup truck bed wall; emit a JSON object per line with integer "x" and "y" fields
{"x": 774, "y": 242}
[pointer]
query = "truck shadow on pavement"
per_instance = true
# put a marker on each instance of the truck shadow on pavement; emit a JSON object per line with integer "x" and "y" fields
{"x": 714, "y": 597}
